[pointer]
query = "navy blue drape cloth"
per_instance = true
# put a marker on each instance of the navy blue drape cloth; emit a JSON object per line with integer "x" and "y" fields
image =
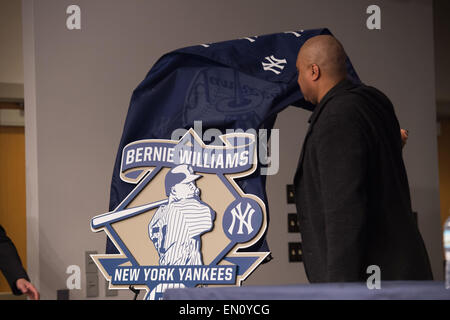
{"x": 237, "y": 84}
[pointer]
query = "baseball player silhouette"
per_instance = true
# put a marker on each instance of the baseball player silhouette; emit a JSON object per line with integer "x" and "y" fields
{"x": 175, "y": 228}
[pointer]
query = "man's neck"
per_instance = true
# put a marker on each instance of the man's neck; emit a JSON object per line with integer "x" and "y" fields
{"x": 326, "y": 87}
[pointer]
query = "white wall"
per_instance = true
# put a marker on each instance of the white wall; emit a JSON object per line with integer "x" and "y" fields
{"x": 78, "y": 85}
{"x": 11, "y": 60}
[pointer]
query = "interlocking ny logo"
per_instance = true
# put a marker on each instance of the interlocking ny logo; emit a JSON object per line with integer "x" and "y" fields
{"x": 245, "y": 218}
{"x": 274, "y": 63}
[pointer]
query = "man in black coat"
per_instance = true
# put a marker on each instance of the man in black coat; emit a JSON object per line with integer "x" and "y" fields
{"x": 12, "y": 268}
{"x": 352, "y": 191}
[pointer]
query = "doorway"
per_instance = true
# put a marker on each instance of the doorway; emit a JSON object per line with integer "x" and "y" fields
{"x": 12, "y": 177}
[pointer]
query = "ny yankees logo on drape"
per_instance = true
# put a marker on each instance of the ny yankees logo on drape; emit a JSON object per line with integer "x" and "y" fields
{"x": 196, "y": 216}
{"x": 274, "y": 63}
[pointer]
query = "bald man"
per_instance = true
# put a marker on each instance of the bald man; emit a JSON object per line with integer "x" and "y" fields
{"x": 352, "y": 192}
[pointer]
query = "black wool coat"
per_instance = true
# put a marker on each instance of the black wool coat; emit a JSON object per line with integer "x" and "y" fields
{"x": 10, "y": 263}
{"x": 352, "y": 193}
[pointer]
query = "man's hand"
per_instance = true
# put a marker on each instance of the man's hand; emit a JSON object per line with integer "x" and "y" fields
{"x": 404, "y": 134}
{"x": 27, "y": 288}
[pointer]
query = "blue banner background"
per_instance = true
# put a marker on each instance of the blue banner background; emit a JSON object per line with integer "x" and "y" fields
{"x": 225, "y": 86}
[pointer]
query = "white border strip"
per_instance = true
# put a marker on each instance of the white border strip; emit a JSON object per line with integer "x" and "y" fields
{"x": 31, "y": 158}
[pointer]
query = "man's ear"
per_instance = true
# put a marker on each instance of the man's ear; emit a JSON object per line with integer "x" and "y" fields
{"x": 315, "y": 72}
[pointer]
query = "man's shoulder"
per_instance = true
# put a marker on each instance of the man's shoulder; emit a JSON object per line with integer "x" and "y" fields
{"x": 354, "y": 102}
{"x": 343, "y": 105}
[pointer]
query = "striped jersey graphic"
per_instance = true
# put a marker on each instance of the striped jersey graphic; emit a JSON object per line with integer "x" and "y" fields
{"x": 175, "y": 230}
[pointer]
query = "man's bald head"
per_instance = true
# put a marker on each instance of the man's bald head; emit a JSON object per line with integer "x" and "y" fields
{"x": 321, "y": 63}
{"x": 325, "y": 51}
